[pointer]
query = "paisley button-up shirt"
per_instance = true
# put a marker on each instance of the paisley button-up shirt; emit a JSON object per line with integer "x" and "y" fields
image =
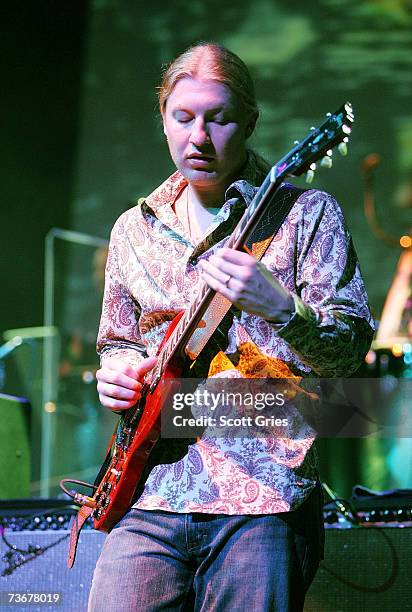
{"x": 152, "y": 274}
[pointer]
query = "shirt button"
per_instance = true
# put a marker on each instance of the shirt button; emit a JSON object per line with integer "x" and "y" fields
{"x": 193, "y": 260}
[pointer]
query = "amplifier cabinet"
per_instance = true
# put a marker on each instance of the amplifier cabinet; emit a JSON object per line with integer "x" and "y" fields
{"x": 364, "y": 570}
{"x": 48, "y": 572}
{"x": 14, "y": 447}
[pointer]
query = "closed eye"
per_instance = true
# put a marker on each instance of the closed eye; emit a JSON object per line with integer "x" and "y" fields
{"x": 221, "y": 118}
{"x": 182, "y": 116}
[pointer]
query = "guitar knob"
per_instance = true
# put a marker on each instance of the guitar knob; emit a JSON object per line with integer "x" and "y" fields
{"x": 97, "y": 513}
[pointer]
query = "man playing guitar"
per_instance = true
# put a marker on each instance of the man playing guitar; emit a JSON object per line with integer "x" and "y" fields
{"x": 236, "y": 523}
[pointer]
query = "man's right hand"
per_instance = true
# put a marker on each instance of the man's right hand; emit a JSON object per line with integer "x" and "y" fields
{"x": 120, "y": 384}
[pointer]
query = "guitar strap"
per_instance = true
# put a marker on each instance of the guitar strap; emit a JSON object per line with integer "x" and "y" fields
{"x": 267, "y": 228}
{"x": 77, "y": 524}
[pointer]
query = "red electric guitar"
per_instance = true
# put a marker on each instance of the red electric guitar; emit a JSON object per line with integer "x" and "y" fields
{"x": 139, "y": 427}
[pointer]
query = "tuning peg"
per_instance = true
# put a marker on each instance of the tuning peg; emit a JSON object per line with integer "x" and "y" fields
{"x": 326, "y": 162}
{"x": 349, "y": 112}
{"x": 310, "y": 174}
{"x": 342, "y": 147}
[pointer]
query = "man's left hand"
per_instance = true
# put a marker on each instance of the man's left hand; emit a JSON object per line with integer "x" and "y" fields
{"x": 247, "y": 283}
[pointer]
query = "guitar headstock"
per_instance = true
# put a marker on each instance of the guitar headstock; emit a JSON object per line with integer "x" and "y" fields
{"x": 317, "y": 145}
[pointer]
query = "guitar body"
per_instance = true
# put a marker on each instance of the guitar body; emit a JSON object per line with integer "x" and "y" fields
{"x": 137, "y": 433}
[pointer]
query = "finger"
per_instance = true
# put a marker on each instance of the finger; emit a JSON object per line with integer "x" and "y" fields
{"x": 116, "y": 392}
{"x": 145, "y": 367}
{"x": 119, "y": 365}
{"x": 229, "y": 292}
{"x": 237, "y": 257}
{"x": 214, "y": 283}
{"x": 115, "y": 404}
{"x": 242, "y": 272}
{"x": 118, "y": 372}
{"x": 214, "y": 271}
{"x": 115, "y": 377}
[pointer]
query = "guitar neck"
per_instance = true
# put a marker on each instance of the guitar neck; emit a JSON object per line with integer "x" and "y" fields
{"x": 254, "y": 212}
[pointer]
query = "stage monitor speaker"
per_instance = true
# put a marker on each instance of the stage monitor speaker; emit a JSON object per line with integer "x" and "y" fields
{"x": 14, "y": 447}
{"x": 364, "y": 570}
{"x": 47, "y": 572}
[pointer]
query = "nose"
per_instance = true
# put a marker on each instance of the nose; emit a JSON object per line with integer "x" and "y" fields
{"x": 199, "y": 135}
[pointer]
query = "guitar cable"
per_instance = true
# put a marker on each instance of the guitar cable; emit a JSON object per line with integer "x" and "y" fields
{"x": 344, "y": 506}
{"x": 79, "y": 498}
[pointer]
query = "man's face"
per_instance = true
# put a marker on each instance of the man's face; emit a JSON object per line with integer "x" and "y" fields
{"x": 206, "y": 130}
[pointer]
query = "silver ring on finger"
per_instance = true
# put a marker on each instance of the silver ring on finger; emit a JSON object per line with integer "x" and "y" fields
{"x": 228, "y": 281}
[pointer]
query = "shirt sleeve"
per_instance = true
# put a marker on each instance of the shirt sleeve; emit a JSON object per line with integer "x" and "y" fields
{"x": 332, "y": 327}
{"x": 118, "y": 334}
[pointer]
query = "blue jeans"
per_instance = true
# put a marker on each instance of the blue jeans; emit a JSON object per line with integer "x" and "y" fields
{"x": 154, "y": 560}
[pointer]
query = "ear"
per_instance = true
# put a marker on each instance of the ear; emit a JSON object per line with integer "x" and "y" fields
{"x": 250, "y": 126}
{"x": 164, "y": 125}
